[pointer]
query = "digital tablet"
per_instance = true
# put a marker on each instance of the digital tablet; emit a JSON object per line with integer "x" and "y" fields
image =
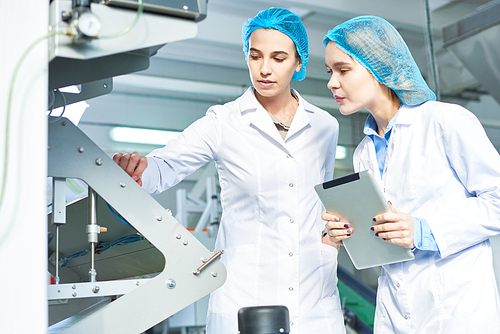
{"x": 357, "y": 198}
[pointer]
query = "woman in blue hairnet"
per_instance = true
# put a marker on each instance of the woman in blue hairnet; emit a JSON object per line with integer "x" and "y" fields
{"x": 440, "y": 174}
{"x": 270, "y": 147}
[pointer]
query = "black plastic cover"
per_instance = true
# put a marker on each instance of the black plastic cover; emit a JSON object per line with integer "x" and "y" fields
{"x": 263, "y": 320}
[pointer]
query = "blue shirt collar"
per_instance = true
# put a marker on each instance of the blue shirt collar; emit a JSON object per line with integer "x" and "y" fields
{"x": 370, "y": 128}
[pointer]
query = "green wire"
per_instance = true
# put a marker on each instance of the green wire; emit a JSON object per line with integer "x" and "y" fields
{"x": 9, "y": 103}
{"x": 13, "y": 79}
{"x": 132, "y": 25}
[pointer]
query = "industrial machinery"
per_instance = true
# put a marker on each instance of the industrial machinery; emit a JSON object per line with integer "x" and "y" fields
{"x": 126, "y": 273}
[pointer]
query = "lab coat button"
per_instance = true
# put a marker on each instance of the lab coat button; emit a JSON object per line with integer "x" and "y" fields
{"x": 406, "y": 316}
{"x": 398, "y": 285}
{"x": 291, "y": 220}
{"x": 290, "y": 254}
{"x": 290, "y": 184}
{"x": 290, "y": 288}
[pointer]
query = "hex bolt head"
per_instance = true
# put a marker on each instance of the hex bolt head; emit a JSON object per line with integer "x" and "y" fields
{"x": 95, "y": 289}
{"x": 81, "y": 149}
{"x": 98, "y": 162}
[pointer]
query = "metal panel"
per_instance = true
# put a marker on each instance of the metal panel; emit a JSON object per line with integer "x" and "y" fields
{"x": 474, "y": 40}
{"x": 72, "y": 154}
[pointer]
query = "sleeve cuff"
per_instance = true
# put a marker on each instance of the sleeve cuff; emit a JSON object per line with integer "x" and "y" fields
{"x": 423, "y": 237}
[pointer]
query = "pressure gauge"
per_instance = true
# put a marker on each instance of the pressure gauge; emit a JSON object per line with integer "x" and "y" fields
{"x": 88, "y": 26}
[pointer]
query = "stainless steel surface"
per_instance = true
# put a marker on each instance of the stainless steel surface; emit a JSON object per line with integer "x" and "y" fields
{"x": 103, "y": 58}
{"x": 58, "y": 214}
{"x": 97, "y": 289}
{"x": 474, "y": 40}
{"x": 59, "y": 201}
{"x": 92, "y": 232}
{"x": 206, "y": 262}
{"x": 182, "y": 256}
{"x": 190, "y": 9}
{"x": 88, "y": 90}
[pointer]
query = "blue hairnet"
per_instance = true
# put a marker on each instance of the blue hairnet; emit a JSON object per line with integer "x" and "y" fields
{"x": 378, "y": 46}
{"x": 288, "y": 23}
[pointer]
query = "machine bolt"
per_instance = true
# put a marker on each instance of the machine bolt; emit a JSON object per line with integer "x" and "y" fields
{"x": 137, "y": 283}
{"x": 178, "y": 236}
{"x": 63, "y": 123}
{"x": 159, "y": 218}
{"x": 98, "y": 161}
{"x": 170, "y": 283}
{"x": 123, "y": 184}
{"x": 214, "y": 274}
{"x": 81, "y": 149}
{"x": 73, "y": 286}
{"x": 185, "y": 242}
{"x": 95, "y": 289}
{"x": 74, "y": 294}
{"x": 66, "y": 16}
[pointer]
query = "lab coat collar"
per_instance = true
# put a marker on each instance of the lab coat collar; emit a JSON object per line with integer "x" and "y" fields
{"x": 259, "y": 117}
{"x": 406, "y": 114}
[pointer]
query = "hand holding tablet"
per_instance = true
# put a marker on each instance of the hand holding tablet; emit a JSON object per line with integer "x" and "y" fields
{"x": 357, "y": 199}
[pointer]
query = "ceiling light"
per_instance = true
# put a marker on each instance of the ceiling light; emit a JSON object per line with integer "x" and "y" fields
{"x": 341, "y": 153}
{"x": 142, "y": 136}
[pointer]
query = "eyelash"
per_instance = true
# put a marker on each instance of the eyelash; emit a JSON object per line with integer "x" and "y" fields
{"x": 255, "y": 57}
{"x": 330, "y": 72}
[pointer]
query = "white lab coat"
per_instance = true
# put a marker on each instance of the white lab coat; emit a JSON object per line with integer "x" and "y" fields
{"x": 440, "y": 166}
{"x": 271, "y": 222}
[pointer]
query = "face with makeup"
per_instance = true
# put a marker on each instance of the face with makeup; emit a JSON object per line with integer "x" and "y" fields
{"x": 352, "y": 85}
{"x": 272, "y": 61}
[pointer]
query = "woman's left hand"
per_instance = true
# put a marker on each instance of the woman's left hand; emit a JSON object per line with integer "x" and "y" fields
{"x": 395, "y": 227}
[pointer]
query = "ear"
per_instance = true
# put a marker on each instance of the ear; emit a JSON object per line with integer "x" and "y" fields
{"x": 299, "y": 66}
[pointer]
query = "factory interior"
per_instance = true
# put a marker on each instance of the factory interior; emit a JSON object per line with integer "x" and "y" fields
{"x": 119, "y": 260}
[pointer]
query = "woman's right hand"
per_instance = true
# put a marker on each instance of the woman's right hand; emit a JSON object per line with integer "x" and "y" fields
{"x": 337, "y": 228}
{"x": 132, "y": 163}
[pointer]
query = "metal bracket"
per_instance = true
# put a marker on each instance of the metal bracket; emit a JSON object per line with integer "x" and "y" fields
{"x": 158, "y": 298}
{"x": 88, "y": 91}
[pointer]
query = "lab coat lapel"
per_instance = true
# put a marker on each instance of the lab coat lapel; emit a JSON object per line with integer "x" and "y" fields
{"x": 300, "y": 121}
{"x": 261, "y": 120}
{"x": 369, "y": 163}
{"x": 404, "y": 120}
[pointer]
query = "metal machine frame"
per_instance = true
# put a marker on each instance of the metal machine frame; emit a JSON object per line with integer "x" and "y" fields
{"x": 191, "y": 271}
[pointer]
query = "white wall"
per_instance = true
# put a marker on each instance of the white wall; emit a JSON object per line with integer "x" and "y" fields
{"x": 23, "y": 226}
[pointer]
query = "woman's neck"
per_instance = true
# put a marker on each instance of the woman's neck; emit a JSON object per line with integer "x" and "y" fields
{"x": 383, "y": 113}
{"x": 283, "y": 106}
